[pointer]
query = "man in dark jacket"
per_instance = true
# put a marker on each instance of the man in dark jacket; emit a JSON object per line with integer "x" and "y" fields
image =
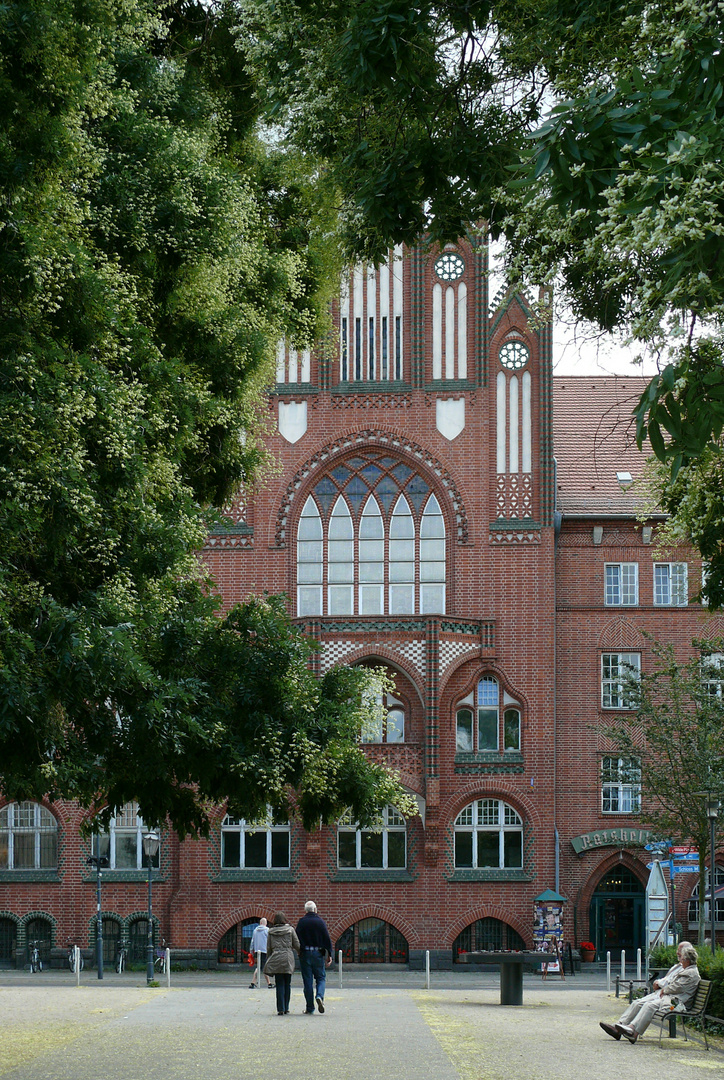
{"x": 315, "y": 955}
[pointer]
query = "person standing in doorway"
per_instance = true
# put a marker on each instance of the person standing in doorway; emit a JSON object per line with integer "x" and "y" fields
{"x": 315, "y": 955}
{"x": 282, "y": 943}
{"x": 258, "y": 945}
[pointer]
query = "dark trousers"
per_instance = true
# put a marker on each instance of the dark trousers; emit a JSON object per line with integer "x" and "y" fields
{"x": 284, "y": 991}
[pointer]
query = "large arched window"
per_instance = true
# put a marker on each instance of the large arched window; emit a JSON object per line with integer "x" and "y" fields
{"x": 28, "y": 837}
{"x": 255, "y": 845}
{"x": 372, "y": 941}
{"x": 122, "y": 845}
{"x": 384, "y": 848}
{"x": 371, "y": 540}
{"x": 486, "y": 935}
{"x": 489, "y": 833}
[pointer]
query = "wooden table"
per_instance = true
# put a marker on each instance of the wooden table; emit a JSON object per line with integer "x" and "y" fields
{"x": 511, "y": 970}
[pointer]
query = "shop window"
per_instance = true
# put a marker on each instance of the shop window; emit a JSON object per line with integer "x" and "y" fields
{"x": 372, "y": 941}
{"x": 486, "y": 935}
{"x": 488, "y": 833}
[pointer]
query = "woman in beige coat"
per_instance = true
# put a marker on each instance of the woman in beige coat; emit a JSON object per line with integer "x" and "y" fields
{"x": 281, "y": 945}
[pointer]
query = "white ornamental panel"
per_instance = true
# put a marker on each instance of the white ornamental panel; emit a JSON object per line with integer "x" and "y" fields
{"x": 292, "y": 420}
{"x": 450, "y": 416}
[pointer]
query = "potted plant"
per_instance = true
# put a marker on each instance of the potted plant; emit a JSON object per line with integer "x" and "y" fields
{"x": 588, "y": 951}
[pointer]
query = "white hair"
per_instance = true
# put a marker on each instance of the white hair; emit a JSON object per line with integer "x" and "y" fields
{"x": 310, "y": 906}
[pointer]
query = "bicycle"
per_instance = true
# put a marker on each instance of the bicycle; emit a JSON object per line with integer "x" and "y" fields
{"x": 72, "y": 955}
{"x": 36, "y": 964}
{"x": 121, "y": 959}
{"x": 160, "y": 960}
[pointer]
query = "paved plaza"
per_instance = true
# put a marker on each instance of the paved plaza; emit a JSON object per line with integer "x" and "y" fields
{"x": 381, "y": 1024}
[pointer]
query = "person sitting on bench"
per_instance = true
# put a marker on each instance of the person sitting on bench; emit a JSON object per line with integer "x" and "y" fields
{"x": 680, "y": 982}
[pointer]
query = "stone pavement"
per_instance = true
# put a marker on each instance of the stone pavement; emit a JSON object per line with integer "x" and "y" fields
{"x": 210, "y": 1026}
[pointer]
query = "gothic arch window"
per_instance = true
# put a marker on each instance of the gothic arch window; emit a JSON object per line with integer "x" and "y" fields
{"x": 371, "y": 540}
{"x": 488, "y": 719}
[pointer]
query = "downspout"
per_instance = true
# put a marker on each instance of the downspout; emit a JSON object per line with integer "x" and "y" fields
{"x": 557, "y": 522}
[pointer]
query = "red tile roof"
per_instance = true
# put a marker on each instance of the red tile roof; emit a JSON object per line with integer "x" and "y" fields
{"x": 593, "y": 439}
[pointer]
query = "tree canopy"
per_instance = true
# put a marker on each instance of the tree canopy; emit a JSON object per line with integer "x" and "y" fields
{"x": 152, "y": 253}
{"x": 675, "y": 734}
{"x": 590, "y": 135}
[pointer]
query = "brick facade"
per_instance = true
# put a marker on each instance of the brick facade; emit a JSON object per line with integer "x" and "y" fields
{"x": 430, "y": 410}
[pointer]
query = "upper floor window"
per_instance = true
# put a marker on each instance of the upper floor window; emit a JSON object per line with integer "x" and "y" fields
{"x": 712, "y": 668}
{"x": 122, "y": 845}
{"x": 622, "y": 584}
{"x": 671, "y": 586}
{"x": 258, "y": 845}
{"x": 488, "y": 833}
{"x": 389, "y": 723}
{"x": 482, "y": 724}
{"x": 620, "y": 785}
{"x": 28, "y": 837}
{"x": 617, "y": 669}
{"x": 371, "y": 541}
{"x": 384, "y": 848}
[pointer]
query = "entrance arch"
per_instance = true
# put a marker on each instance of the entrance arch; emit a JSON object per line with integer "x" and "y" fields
{"x": 617, "y": 914}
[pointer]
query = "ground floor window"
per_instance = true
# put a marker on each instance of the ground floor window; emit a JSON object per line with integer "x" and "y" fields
{"x": 372, "y": 941}
{"x": 718, "y": 900}
{"x": 111, "y": 940}
{"x": 486, "y": 935}
{"x": 8, "y": 941}
{"x": 40, "y": 932}
{"x": 235, "y": 945}
{"x": 138, "y": 941}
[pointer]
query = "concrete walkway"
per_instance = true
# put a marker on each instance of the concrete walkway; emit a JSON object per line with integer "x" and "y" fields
{"x": 384, "y": 1024}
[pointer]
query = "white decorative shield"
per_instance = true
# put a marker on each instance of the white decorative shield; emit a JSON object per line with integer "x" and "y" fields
{"x": 450, "y": 416}
{"x": 292, "y": 420}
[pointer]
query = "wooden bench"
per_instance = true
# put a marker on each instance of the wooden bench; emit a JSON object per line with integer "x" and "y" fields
{"x": 695, "y": 1011}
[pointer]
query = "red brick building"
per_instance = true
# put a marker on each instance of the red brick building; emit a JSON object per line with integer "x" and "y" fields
{"x": 446, "y": 508}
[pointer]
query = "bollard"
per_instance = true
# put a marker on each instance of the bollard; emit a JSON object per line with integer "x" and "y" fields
{"x": 76, "y": 957}
{"x": 638, "y": 965}
{"x": 339, "y": 956}
{"x": 608, "y": 972}
{"x": 427, "y": 970}
{"x": 168, "y": 968}
{"x": 623, "y": 964}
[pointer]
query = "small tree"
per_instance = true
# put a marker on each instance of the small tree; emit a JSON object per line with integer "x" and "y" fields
{"x": 675, "y": 730}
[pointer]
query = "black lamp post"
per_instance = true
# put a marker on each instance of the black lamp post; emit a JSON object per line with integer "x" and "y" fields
{"x": 99, "y": 861}
{"x": 712, "y": 812}
{"x": 151, "y": 842}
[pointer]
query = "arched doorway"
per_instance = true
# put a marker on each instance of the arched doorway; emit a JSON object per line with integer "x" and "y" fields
{"x": 617, "y": 914}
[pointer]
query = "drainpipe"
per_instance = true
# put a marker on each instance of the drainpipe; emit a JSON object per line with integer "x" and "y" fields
{"x": 557, "y": 522}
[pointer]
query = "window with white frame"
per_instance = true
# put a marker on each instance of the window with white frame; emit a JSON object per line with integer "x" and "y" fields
{"x": 388, "y": 724}
{"x": 122, "y": 845}
{"x": 671, "y": 584}
{"x": 28, "y": 837}
{"x": 712, "y": 669}
{"x": 487, "y": 719}
{"x": 371, "y": 540}
{"x": 618, "y": 670}
{"x": 718, "y": 900}
{"x": 488, "y": 833}
{"x": 384, "y": 848}
{"x": 255, "y": 845}
{"x": 622, "y": 584}
{"x": 620, "y": 785}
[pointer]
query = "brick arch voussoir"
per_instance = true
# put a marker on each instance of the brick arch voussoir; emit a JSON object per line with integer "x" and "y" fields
{"x": 238, "y": 915}
{"x": 490, "y": 787}
{"x": 388, "y": 656}
{"x": 11, "y": 917}
{"x": 375, "y": 911}
{"x": 354, "y": 441}
{"x": 602, "y": 867}
{"x": 487, "y": 911}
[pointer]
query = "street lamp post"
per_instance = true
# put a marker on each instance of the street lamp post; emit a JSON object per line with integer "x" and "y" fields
{"x": 99, "y": 861}
{"x": 712, "y": 812}
{"x": 151, "y": 841}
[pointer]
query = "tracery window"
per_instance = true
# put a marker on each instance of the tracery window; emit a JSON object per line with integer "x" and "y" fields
{"x": 371, "y": 540}
{"x": 389, "y": 725}
{"x": 487, "y": 719}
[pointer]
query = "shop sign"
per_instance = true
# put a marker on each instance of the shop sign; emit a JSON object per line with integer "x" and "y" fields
{"x": 620, "y": 837}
